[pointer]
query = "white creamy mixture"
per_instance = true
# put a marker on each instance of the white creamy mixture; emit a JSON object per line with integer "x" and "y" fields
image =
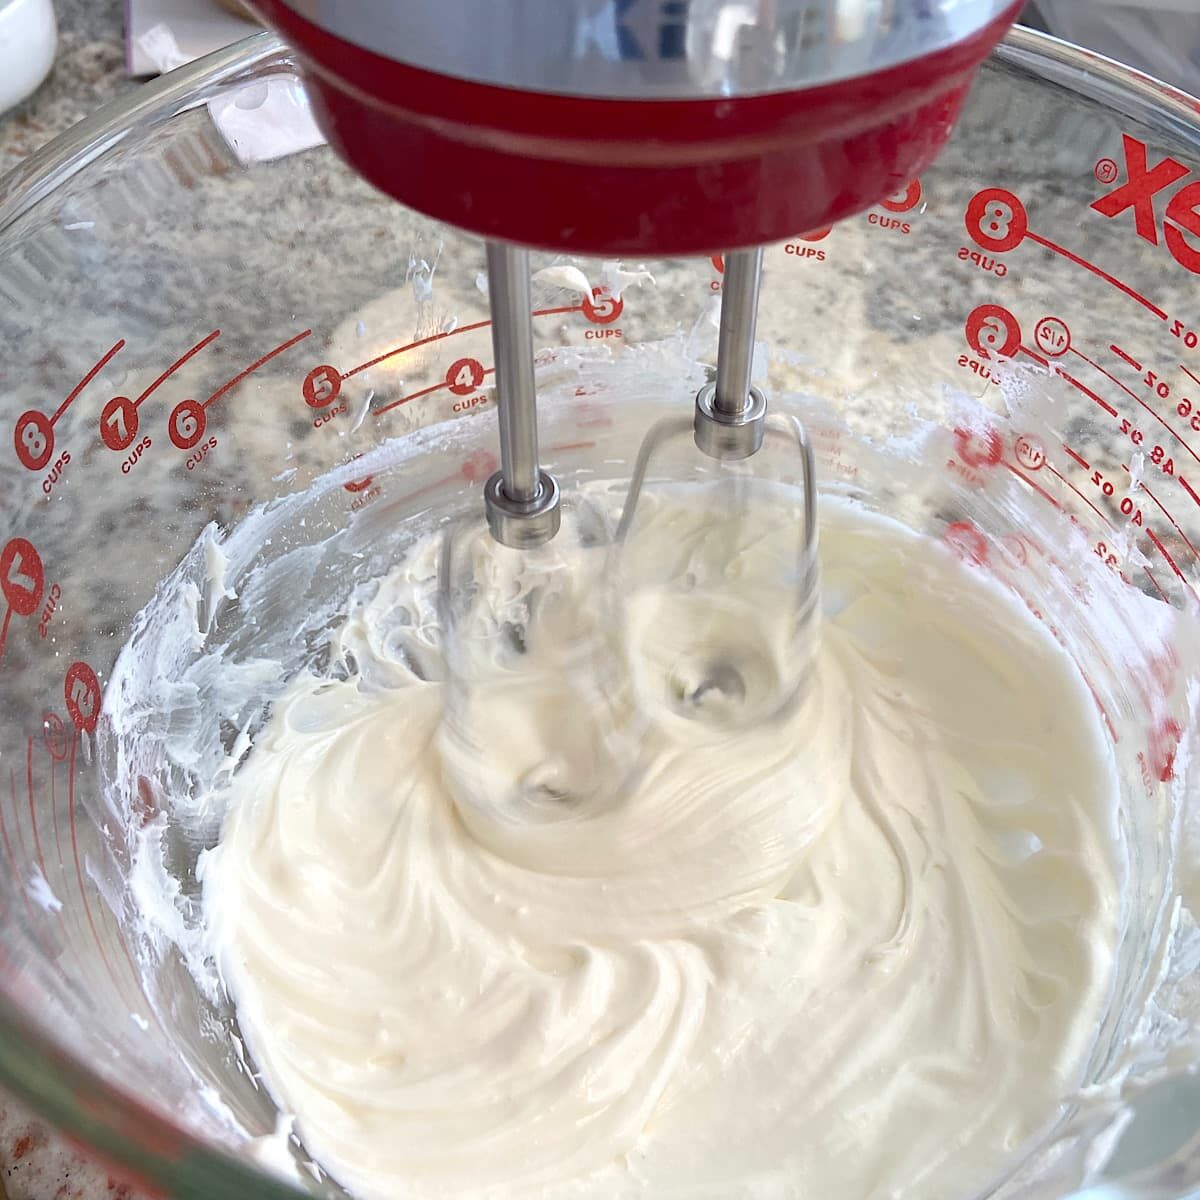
{"x": 862, "y": 952}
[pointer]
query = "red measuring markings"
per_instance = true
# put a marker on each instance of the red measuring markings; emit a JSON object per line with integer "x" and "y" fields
{"x": 463, "y": 377}
{"x": 342, "y": 376}
{"x": 1174, "y": 524}
{"x": 1185, "y": 408}
{"x": 1083, "y": 462}
{"x": 1181, "y": 216}
{"x": 119, "y": 418}
{"x": 900, "y": 203}
{"x": 82, "y": 690}
{"x": 1087, "y": 391}
{"x": 1156, "y": 456}
{"x": 78, "y": 923}
{"x": 967, "y": 541}
{"x": 1128, "y": 508}
{"x": 979, "y": 448}
{"x": 22, "y": 579}
{"x": 189, "y": 418}
{"x": 73, "y": 824}
{"x": 1029, "y": 452}
{"x": 358, "y": 485}
{"x": 1126, "y": 358}
{"x": 54, "y": 736}
{"x": 8, "y": 849}
{"x": 993, "y": 331}
{"x": 58, "y": 839}
{"x": 1014, "y": 544}
{"x": 438, "y": 337}
{"x": 997, "y": 220}
{"x": 1070, "y": 256}
{"x": 409, "y": 496}
{"x": 33, "y": 823}
{"x": 1156, "y": 585}
{"x": 1067, "y": 483}
{"x": 1189, "y": 337}
{"x": 1108, "y": 559}
{"x": 1162, "y": 743}
{"x": 802, "y": 249}
{"x": 33, "y": 434}
{"x": 37, "y": 840}
{"x": 905, "y": 200}
{"x": 1052, "y": 336}
{"x": 54, "y": 761}
{"x": 1107, "y": 488}
{"x": 22, "y": 851}
{"x": 1037, "y": 487}
{"x": 323, "y": 384}
{"x": 600, "y": 308}
{"x": 1170, "y": 561}
{"x": 1191, "y": 491}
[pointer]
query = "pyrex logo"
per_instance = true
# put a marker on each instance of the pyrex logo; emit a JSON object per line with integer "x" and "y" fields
{"x": 651, "y": 30}
{"x": 1181, "y": 217}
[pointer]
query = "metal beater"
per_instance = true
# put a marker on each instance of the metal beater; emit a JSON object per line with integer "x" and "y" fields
{"x": 521, "y": 499}
{"x": 637, "y": 128}
{"x": 728, "y": 425}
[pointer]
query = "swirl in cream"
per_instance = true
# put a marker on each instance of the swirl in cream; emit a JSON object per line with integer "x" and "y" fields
{"x": 860, "y": 952}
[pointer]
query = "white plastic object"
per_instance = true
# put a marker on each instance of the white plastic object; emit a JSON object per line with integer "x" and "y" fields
{"x": 264, "y": 120}
{"x": 198, "y": 27}
{"x": 28, "y": 35}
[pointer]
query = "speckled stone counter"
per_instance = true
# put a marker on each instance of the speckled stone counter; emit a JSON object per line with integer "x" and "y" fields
{"x": 89, "y": 68}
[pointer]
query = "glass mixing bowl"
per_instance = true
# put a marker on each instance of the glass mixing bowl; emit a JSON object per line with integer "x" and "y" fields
{"x": 226, "y": 359}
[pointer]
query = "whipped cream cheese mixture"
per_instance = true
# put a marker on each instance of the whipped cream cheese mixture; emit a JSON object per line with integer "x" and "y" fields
{"x": 861, "y": 951}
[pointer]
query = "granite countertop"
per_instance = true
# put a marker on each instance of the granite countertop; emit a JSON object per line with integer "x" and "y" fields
{"x": 36, "y": 1163}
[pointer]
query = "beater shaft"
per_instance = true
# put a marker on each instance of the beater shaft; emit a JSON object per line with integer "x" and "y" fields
{"x": 522, "y": 500}
{"x": 739, "y": 320}
{"x": 730, "y": 412}
{"x": 512, "y": 342}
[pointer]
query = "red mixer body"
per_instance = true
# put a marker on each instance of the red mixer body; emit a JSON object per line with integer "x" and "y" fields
{"x": 632, "y": 176}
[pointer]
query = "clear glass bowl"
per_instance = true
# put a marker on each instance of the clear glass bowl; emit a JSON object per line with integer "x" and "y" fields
{"x": 191, "y": 328}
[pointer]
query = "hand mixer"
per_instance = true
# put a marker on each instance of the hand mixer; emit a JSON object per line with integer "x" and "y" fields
{"x": 630, "y": 127}
{"x": 635, "y": 127}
